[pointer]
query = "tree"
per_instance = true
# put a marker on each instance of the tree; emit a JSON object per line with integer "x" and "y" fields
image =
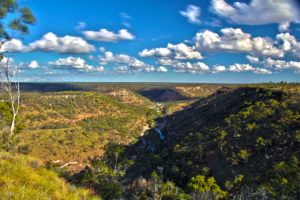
{"x": 202, "y": 188}
{"x": 20, "y": 17}
{"x": 10, "y": 83}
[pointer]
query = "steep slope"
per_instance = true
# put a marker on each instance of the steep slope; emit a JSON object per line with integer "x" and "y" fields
{"x": 247, "y": 138}
{"x": 25, "y": 178}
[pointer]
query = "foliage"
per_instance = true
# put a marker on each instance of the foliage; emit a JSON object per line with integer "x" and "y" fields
{"x": 22, "y": 17}
{"x": 203, "y": 188}
{"x": 246, "y": 139}
{"x": 72, "y": 126}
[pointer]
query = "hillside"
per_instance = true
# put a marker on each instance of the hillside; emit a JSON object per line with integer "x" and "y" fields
{"x": 72, "y": 126}
{"x": 246, "y": 138}
{"x": 163, "y": 142}
{"x": 25, "y": 178}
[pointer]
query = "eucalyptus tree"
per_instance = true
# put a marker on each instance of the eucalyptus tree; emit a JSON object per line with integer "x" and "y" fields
{"x": 14, "y": 21}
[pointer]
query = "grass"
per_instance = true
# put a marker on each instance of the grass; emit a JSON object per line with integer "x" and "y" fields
{"x": 23, "y": 177}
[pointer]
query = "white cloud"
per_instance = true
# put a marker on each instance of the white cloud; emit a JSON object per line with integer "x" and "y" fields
{"x": 261, "y": 71}
{"x": 200, "y": 67}
{"x": 218, "y": 68}
{"x": 246, "y": 67}
{"x": 178, "y": 51}
{"x": 99, "y": 69}
{"x": 132, "y": 66}
{"x": 265, "y": 47}
{"x": 104, "y": 35}
{"x": 50, "y": 42}
{"x": 81, "y": 25}
{"x": 13, "y": 45}
{"x": 109, "y": 57}
{"x": 192, "y": 68}
{"x": 65, "y": 45}
{"x": 157, "y": 52}
{"x": 240, "y": 67}
{"x": 276, "y": 64}
{"x": 162, "y": 69}
{"x": 284, "y": 27}
{"x": 166, "y": 61}
{"x": 182, "y": 51}
{"x": 289, "y": 44}
{"x": 74, "y": 63}
{"x": 259, "y": 12}
{"x": 33, "y": 65}
{"x": 253, "y": 59}
{"x": 192, "y": 13}
{"x": 235, "y": 41}
{"x": 184, "y": 67}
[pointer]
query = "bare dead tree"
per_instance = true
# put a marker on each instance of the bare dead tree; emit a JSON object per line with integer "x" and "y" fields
{"x": 10, "y": 84}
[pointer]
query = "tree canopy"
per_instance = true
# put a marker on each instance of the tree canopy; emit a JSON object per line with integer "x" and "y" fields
{"x": 14, "y": 19}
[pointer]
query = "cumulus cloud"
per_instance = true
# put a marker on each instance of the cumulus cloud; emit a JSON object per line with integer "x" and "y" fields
{"x": 126, "y": 64}
{"x": 182, "y": 51}
{"x": 74, "y": 63}
{"x": 192, "y": 68}
{"x": 157, "y": 52}
{"x": 109, "y": 57}
{"x": 246, "y": 67}
{"x": 33, "y": 65}
{"x": 259, "y": 12}
{"x": 253, "y": 59}
{"x": 103, "y": 35}
{"x": 65, "y": 45}
{"x": 166, "y": 61}
{"x": 235, "y": 41}
{"x": 134, "y": 67}
{"x": 184, "y": 67}
{"x": 289, "y": 44}
{"x": 218, "y": 68}
{"x": 200, "y": 67}
{"x": 276, "y": 64}
{"x": 162, "y": 69}
{"x": 50, "y": 42}
{"x": 178, "y": 51}
{"x": 192, "y": 13}
{"x": 13, "y": 45}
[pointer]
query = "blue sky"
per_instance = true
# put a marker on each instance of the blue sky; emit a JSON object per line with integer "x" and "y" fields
{"x": 221, "y": 41}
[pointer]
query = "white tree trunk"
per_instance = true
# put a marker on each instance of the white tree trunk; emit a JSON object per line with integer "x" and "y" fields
{"x": 10, "y": 83}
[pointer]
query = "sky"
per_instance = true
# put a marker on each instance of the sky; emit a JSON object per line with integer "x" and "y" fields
{"x": 205, "y": 41}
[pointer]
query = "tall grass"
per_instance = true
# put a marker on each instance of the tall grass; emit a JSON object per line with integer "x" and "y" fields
{"x": 25, "y": 178}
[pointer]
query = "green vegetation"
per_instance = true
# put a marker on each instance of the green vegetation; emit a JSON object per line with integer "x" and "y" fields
{"x": 72, "y": 126}
{"x": 242, "y": 142}
{"x": 26, "y": 178}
